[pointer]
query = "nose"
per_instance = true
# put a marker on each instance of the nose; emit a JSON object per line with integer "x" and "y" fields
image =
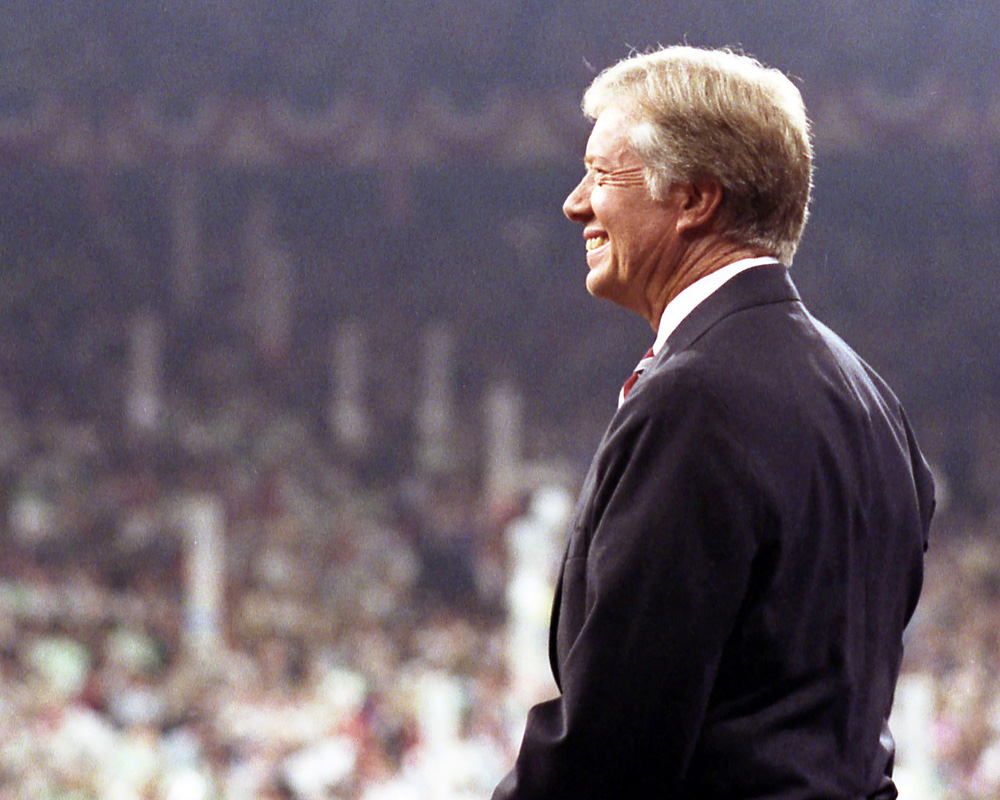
{"x": 576, "y": 206}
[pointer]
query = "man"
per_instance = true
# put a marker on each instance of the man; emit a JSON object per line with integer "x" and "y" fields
{"x": 748, "y": 543}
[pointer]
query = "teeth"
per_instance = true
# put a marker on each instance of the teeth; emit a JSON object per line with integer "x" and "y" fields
{"x": 595, "y": 242}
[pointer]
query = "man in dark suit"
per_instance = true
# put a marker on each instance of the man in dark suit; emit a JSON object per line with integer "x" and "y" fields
{"x": 748, "y": 544}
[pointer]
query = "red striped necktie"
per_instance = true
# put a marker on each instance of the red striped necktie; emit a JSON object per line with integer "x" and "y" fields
{"x": 641, "y": 367}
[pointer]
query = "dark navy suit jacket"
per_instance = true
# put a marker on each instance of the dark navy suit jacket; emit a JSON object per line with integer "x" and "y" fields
{"x": 746, "y": 551}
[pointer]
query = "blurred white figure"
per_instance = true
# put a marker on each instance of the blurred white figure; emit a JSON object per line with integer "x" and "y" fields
{"x": 143, "y": 400}
{"x": 82, "y": 746}
{"x": 436, "y": 412}
{"x": 32, "y": 515}
{"x": 313, "y": 772}
{"x": 912, "y": 725}
{"x": 270, "y": 284}
{"x": 135, "y": 766}
{"x": 202, "y": 519}
{"x": 187, "y": 783}
{"x": 59, "y": 662}
{"x": 437, "y": 699}
{"x": 348, "y": 418}
{"x": 504, "y": 412}
{"x": 534, "y": 545}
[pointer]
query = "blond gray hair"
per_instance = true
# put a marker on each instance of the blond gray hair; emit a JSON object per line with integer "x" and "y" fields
{"x": 720, "y": 115}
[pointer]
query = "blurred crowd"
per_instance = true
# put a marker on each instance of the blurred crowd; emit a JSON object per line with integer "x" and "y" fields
{"x": 946, "y": 718}
{"x": 365, "y": 647}
{"x": 359, "y": 652}
{"x": 377, "y": 636}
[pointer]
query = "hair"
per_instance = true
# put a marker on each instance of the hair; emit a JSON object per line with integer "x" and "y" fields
{"x": 715, "y": 114}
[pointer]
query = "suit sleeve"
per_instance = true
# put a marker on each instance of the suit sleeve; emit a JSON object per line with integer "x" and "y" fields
{"x": 663, "y": 559}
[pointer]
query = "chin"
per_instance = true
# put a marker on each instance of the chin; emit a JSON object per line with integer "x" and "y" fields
{"x": 603, "y": 286}
{"x": 612, "y": 291}
{"x": 597, "y": 282}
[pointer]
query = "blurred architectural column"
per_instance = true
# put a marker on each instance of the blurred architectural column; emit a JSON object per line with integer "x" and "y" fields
{"x": 436, "y": 410}
{"x": 347, "y": 416}
{"x": 202, "y": 520}
{"x": 185, "y": 236}
{"x": 504, "y": 413}
{"x": 144, "y": 387}
{"x": 270, "y": 283}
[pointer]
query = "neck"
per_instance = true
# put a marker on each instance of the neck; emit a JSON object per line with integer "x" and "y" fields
{"x": 703, "y": 258}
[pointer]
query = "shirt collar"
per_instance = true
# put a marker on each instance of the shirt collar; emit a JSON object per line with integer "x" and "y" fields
{"x": 685, "y": 302}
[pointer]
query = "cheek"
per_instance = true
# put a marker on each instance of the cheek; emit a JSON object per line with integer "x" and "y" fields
{"x": 608, "y": 214}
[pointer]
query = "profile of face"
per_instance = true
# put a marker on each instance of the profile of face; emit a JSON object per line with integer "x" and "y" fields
{"x": 629, "y": 235}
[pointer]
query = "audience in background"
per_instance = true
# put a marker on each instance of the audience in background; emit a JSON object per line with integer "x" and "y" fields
{"x": 366, "y": 639}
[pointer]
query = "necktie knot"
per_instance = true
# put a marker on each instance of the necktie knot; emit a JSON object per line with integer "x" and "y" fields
{"x": 641, "y": 367}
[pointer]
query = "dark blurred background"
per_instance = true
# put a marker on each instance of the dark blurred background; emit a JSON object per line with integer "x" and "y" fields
{"x": 298, "y": 374}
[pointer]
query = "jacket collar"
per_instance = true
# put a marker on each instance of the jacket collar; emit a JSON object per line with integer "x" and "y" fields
{"x": 769, "y": 283}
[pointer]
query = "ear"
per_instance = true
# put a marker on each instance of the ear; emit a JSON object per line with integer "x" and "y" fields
{"x": 699, "y": 202}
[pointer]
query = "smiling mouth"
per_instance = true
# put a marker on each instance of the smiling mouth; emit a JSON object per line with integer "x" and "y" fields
{"x": 596, "y": 242}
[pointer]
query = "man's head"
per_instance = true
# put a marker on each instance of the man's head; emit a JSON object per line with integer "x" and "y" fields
{"x": 715, "y": 115}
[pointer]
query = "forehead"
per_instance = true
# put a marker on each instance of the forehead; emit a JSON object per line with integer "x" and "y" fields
{"x": 609, "y": 142}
